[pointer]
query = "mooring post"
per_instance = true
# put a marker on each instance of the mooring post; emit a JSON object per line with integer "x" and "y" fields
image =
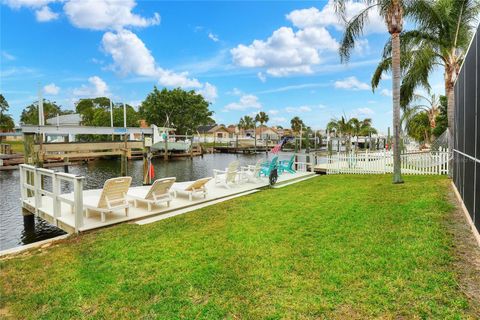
{"x": 29, "y": 158}
{"x": 28, "y": 221}
{"x": 65, "y": 159}
{"x": 165, "y": 154}
{"x": 147, "y": 160}
{"x": 125, "y": 160}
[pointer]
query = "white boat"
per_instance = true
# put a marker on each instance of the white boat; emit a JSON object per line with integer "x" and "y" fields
{"x": 172, "y": 145}
{"x": 159, "y": 137}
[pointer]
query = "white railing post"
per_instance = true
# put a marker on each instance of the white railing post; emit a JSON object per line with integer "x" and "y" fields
{"x": 23, "y": 190}
{"x": 56, "y": 193}
{"x": 78, "y": 199}
{"x": 37, "y": 182}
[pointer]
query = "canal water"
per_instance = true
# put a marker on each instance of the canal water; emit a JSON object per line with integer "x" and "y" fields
{"x": 16, "y": 231}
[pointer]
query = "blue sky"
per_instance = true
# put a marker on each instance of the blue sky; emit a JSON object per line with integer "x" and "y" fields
{"x": 279, "y": 57}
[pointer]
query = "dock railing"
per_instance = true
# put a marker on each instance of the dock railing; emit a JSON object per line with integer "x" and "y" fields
{"x": 303, "y": 162}
{"x": 32, "y": 186}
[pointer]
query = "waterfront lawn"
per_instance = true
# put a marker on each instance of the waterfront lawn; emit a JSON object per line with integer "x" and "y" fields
{"x": 17, "y": 146}
{"x": 332, "y": 247}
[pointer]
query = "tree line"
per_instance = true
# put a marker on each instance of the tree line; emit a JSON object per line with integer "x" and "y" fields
{"x": 184, "y": 110}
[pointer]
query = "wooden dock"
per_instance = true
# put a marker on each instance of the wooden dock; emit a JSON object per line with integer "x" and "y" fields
{"x": 66, "y": 210}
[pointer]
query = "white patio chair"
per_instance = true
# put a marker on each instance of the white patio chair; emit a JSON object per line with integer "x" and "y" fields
{"x": 157, "y": 194}
{"x": 195, "y": 188}
{"x": 251, "y": 173}
{"x": 228, "y": 176}
{"x": 113, "y": 197}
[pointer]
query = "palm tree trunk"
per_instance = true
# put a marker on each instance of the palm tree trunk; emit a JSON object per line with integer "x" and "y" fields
{"x": 450, "y": 90}
{"x": 397, "y": 175}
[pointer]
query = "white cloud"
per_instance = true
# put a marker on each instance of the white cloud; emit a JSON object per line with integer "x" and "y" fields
{"x": 235, "y": 92}
{"x": 51, "y": 89}
{"x": 7, "y": 56}
{"x": 209, "y": 92}
{"x": 213, "y": 37}
{"x": 362, "y": 47}
{"x": 313, "y": 17}
{"x": 106, "y": 14}
{"x": 17, "y": 4}
{"x": 351, "y": 83}
{"x": 286, "y": 51}
{"x": 296, "y": 87}
{"x": 262, "y": 77}
{"x": 363, "y": 112}
{"x": 386, "y": 93}
{"x": 130, "y": 55}
{"x": 300, "y": 109}
{"x": 96, "y": 88}
{"x": 273, "y": 112}
{"x": 247, "y": 101}
{"x": 45, "y": 14}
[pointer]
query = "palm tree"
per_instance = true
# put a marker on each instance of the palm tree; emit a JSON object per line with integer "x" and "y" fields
{"x": 431, "y": 108}
{"x": 442, "y": 35}
{"x": 261, "y": 117}
{"x": 246, "y": 123}
{"x": 393, "y": 13}
{"x": 297, "y": 126}
{"x": 355, "y": 126}
{"x": 418, "y": 127}
{"x": 419, "y": 120}
{"x": 342, "y": 127}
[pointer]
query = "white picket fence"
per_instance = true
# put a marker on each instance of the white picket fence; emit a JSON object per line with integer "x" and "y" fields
{"x": 381, "y": 162}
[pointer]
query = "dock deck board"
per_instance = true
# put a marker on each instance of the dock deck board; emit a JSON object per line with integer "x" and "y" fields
{"x": 66, "y": 220}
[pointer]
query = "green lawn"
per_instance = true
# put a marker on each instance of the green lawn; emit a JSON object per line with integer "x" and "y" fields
{"x": 332, "y": 247}
{"x": 17, "y": 146}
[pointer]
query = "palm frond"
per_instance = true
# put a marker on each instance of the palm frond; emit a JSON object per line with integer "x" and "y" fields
{"x": 353, "y": 30}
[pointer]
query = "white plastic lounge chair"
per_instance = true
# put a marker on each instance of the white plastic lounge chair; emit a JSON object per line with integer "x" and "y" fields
{"x": 157, "y": 194}
{"x": 251, "y": 173}
{"x": 227, "y": 176}
{"x": 194, "y": 188}
{"x": 113, "y": 197}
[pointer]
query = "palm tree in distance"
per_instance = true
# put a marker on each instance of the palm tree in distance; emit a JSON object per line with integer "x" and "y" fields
{"x": 355, "y": 126}
{"x": 297, "y": 125}
{"x": 342, "y": 128}
{"x": 421, "y": 117}
{"x": 261, "y": 117}
{"x": 430, "y": 105}
{"x": 443, "y": 32}
{"x": 246, "y": 123}
{"x": 392, "y": 11}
